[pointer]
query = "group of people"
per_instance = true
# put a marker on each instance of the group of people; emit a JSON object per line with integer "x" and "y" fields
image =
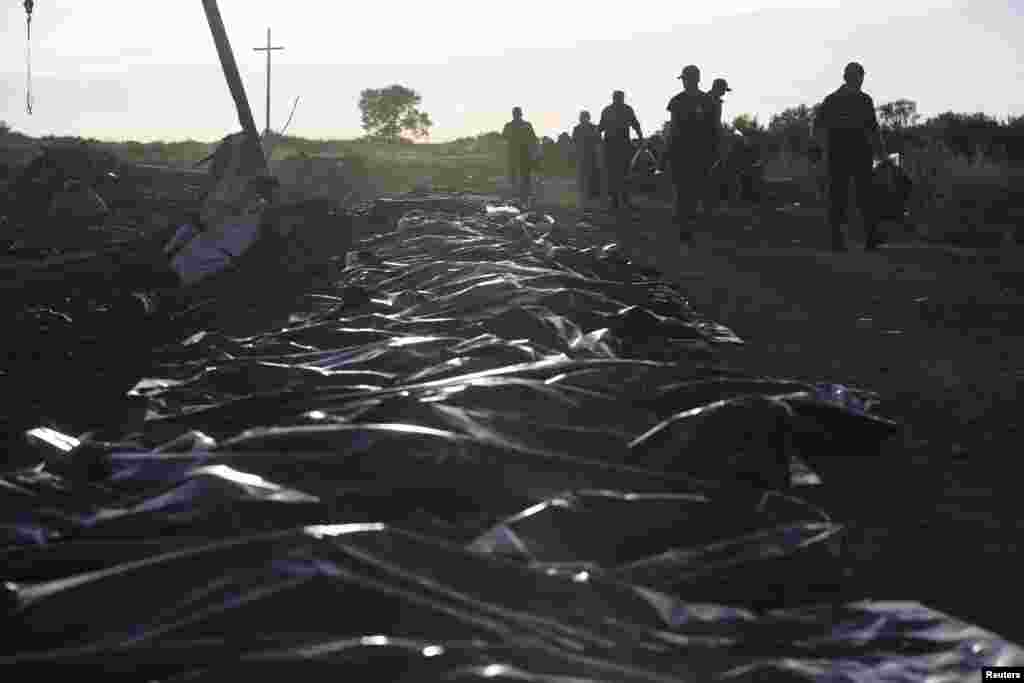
{"x": 605, "y": 145}
{"x": 845, "y": 128}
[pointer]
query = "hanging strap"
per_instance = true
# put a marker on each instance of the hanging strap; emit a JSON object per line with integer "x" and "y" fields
{"x": 28, "y": 56}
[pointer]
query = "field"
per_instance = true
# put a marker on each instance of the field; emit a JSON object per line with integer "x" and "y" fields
{"x": 935, "y": 329}
{"x": 970, "y": 203}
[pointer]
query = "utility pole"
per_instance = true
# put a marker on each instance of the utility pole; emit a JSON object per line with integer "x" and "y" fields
{"x": 227, "y": 61}
{"x": 268, "y": 49}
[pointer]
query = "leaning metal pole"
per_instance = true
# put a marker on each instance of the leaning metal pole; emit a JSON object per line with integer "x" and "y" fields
{"x": 227, "y": 61}
{"x": 267, "y": 130}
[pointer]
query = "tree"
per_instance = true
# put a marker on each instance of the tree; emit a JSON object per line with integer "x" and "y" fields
{"x": 388, "y": 112}
{"x": 1013, "y": 138}
{"x": 898, "y": 115}
{"x": 747, "y": 125}
{"x": 965, "y": 134}
{"x": 491, "y": 141}
{"x": 793, "y": 117}
{"x": 792, "y": 129}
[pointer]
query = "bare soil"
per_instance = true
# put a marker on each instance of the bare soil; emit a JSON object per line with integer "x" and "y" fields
{"x": 937, "y": 331}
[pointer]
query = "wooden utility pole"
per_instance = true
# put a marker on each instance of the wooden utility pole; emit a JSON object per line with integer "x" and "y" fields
{"x": 227, "y": 61}
{"x": 268, "y": 49}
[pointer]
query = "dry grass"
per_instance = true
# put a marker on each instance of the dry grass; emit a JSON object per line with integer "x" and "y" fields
{"x": 952, "y": 195}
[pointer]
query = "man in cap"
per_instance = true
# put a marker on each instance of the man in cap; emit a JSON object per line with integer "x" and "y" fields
{"x": 692, "y": 148}
{"x": 616, "y": 120}
{"x": 522, "y": 141}
{"x": 719, "y": 171}
{"x": 718, "y": 89}
{"x": 848, "y": 131}
{"x": 585, "y": 139}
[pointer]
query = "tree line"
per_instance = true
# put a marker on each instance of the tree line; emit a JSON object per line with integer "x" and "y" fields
{"x": 959, "y": 134}
{"x": 392, "y": 115}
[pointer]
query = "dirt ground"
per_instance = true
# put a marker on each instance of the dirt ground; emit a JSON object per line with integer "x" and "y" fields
{"x": 936, "y": 331}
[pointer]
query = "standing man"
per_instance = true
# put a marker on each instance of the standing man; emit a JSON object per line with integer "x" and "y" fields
{"x": 585, "y": 139}
{"x": 718, "y": 89}
{"x": 616, "y": 120}
{"x": 847, "y": 129}
{"x": 522, "y": 141}
{"x": 719, "y": 170}
{"x": 692, "y": 148}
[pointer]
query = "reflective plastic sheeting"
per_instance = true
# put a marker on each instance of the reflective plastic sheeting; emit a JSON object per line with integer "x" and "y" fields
{"x": 483, "y": 449}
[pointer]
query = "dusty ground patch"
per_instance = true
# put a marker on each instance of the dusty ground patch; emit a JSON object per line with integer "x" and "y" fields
{"x": 936, "y": 331}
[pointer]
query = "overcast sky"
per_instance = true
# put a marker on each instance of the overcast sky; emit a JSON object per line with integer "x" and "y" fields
{"x": 115, "y": 70}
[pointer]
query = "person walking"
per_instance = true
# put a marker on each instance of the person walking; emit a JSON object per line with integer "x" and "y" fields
{"x": 848, "y": 131}
{"x": 522, "y": 142}
{"x": 585, "y": 140}
{"x": 692, "y": 148}
{"x": 719, "y": 172}
{"x": 616, "y": 121}
{"x": 719, "y": 87}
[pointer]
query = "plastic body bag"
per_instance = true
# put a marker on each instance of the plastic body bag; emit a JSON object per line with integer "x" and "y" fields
{"x": 482, "y": 449}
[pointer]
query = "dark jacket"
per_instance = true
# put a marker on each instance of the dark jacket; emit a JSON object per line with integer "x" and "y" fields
{"x": 585, "y": 139}
{"x": 848, "y": 116}
{"x": 616, "y": 120}
{"x": 693, "y": 129}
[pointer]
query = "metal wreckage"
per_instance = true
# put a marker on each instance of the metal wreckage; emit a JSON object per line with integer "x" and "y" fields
{"x": 421, "y": 438}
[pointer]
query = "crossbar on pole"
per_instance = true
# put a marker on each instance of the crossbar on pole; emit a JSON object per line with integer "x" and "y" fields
{"x": 268, "y": 49}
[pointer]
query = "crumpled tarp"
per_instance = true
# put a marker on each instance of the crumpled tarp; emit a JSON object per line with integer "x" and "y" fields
{"x": 486, "y": 449}
{"x": 209, "y": 253}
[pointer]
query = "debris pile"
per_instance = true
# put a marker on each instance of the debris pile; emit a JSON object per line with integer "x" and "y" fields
{"x": 85, "y": 315}
{"x": 56, "y": 200}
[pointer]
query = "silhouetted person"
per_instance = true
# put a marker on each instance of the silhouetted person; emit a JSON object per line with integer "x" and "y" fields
{"x": 564, "y": 143}
{"x": 521, "y": 141}
{"x": 847, "y": 128}
{"x": 719, "y": 87}
{"x": 750, "y": 170}
{"x": 585, "y": 139}
{"x": 692, "y": 148}
{"x": 616, "y": 120}
{"x": 816, "y": 157}
{"x": 720, "y": 171}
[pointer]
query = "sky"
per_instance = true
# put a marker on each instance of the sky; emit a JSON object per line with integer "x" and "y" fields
{"x": 119, "y": 70}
